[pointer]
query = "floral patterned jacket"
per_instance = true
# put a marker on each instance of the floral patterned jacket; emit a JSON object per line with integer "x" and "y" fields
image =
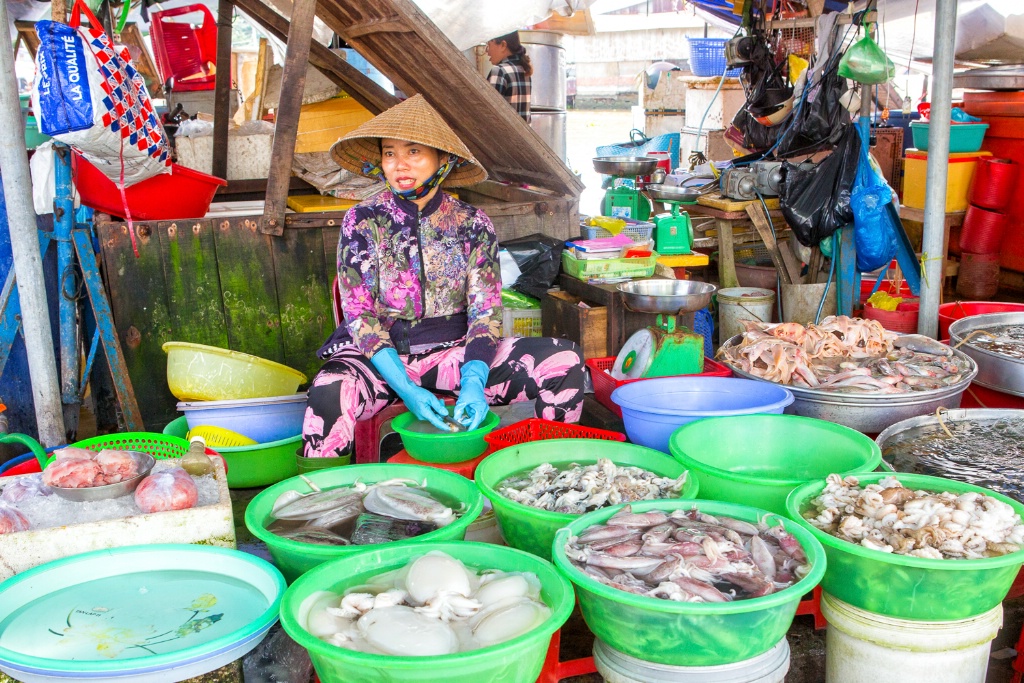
{"x": 431, "y": 275}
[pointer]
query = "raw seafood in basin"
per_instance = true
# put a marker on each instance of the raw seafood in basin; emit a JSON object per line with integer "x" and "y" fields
{"x": 81, "y": 468}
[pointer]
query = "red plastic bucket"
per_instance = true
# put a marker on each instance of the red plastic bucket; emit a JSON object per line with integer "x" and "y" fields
{"x": 978, "y": 277}
{"x": 983, "y": 230}
{"x": 993, "y": 183}
{"x": 903, "y": 319}
{"x": 182, "y": 193}
{"x": 954, "y": 310}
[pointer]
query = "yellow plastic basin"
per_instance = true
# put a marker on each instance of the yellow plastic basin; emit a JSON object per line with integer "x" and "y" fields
{"x": 207, "y": 373}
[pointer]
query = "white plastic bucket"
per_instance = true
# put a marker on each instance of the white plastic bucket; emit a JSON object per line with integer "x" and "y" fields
{"x": 862, "y": 647}
{"x": 742, "y": 303}
{"x": 484, "y": 528}
{"x": 616, "y": 667}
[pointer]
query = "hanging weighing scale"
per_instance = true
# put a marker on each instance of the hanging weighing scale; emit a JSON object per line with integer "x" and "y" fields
{"x": 665, "y": 348}
{"x": 624, "y": 198}
{"x": 673, "y": 231}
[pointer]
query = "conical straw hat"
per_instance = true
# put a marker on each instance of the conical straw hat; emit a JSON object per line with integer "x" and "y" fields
{"x": 413, "y": 120}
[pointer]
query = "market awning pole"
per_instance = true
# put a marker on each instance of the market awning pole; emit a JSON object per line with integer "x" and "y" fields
{"x": 28, "y": 263}
{"x": 934, "y": 247}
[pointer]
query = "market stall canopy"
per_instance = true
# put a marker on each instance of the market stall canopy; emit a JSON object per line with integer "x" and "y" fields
{"x": 407, "y": 47}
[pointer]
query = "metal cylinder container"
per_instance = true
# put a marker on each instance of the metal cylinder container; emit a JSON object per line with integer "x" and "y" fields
{"x": 548, "y": 59}
{"x": 550, "y": 124}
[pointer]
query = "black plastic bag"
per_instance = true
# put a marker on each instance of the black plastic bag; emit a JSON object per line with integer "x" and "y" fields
{"x": 756, "y": 136}
{"x": 539, "y": 257}
{"x": 816, "y": 202}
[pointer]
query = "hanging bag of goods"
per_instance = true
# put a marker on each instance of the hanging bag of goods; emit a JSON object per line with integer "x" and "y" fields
{"x": 88, "y": 95}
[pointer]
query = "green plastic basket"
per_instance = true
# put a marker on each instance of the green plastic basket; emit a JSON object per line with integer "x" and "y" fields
{"x": 160, "y": 446}
{"x": 583, "y": 269}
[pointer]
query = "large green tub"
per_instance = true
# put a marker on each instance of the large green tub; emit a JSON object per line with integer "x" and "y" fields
{"x": 758, "y": 459}
{"x": 294, "y": 558}
{"x": 688, "y": 633}
{"x": 515, "y": 661}
{"x": 910, "y": 587}
{"x": 532, "y": 529}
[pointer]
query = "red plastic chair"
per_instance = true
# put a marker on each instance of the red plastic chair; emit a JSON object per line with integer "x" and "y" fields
{"x": 368, "y": 433}
{"x": 186, "y": 54}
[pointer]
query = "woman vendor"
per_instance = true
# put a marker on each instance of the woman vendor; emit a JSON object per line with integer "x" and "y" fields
{"x": 421, "y": 296}
{"x": 511, "y": 73}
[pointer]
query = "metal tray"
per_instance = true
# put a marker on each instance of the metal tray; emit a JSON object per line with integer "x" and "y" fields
{"x": 666, "y": 296}
{"x": 672, "y": 193}
{"x": 869, "y": 413}
{"x": 145, "y": 462}
{"x": 995, "y": 371}
{"x": 625, "y": 166}
{"x": 950, "y": 416}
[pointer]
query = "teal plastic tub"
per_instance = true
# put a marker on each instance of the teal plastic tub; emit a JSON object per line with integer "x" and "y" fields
{"x": 515, "y": 661}
{"x": 259, "y": 465}
{"x": 532, "y": 529}
{"x": 758, "y": 459}
{"x": 294, "y": 558}
{"x": 963, "y": 137}
{"x": 688, "y": 633}
{"x": 905, "y": 587}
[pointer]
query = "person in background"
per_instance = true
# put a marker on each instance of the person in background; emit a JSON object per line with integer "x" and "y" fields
{"x": 420, "y": 293}
{"x": 511, "y": 72}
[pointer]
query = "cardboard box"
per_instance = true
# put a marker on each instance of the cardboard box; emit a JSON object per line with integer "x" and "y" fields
{"x": 562, "y": 316}
{"x": 321, "y": 124}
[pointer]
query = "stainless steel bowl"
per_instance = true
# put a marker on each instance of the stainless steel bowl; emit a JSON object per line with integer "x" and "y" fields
{"x": 995, "y": 370}
{"x": 869, "y": 413}
{"x": 625, "y": 166}
{"x": 145, "y": 462}
{"x": 672, "y": 193}
{"x": 666, "y": 296}
{"x": 949, "y": 417}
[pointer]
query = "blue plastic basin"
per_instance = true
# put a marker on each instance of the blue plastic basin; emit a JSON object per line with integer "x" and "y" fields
{"x": 261, "y": 419}
{"x": 654, "y": 408}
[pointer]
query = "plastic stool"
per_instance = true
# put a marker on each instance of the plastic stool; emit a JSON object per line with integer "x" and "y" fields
{"x": 368, "y": 432}
{"x": 812, "y": 606}
{"x": 555, "y": 670}
{"x": 466, "y": 468}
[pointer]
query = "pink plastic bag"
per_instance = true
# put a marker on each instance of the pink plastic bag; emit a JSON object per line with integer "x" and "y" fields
{"x": 171, "y": 489}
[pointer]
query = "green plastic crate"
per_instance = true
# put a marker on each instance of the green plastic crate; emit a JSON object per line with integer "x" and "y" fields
{"x": 584, "y": 269}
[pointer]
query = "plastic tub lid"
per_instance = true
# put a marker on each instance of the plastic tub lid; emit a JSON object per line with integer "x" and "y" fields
{"x": 697, "y": 395}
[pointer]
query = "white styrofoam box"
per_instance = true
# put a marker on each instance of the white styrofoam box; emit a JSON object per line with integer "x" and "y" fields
{"x": 701, "y": 94}
{"x": 207, "y": 525}
{"x": 248, "y": 155}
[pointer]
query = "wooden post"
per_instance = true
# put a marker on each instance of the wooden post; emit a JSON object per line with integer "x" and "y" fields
{"x": 59, "y": 11}
{"x": 222, "y": 89}
{"x": 286, "y": 118}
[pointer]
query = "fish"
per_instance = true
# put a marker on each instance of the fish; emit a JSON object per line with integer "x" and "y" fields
{"x": 403, "y": 502}
{"x": 922, "y": 344}
{"x": 316, "y": 504}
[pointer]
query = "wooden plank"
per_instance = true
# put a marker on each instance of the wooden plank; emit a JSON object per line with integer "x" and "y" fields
{"x": 193, "y": 283}
{"x": 304, "y": 291}
{"x": 286, "y": 125}
{"x": 392, "y": 24}
{"x": 357, "y": 84}
{"x": 222, "y": 89}
{"x": 139, "y": 307}
{"x": 425, "y": 61}
{"x": 245, "y": 264}
{"x": 765, "y": 231}
{"x": 28, "y": 37}
{"x": 732, "y": 205}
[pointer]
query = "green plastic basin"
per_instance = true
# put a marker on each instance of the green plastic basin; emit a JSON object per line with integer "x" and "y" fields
{"x": 249, "y": 466}
{"x": 532, "y": 529}
{"x": 688, "y": 633}
{"x": 758, "y": 459}
{"x": 515, "y": 661}
{"x": 910, "y": 587}
{"x": 294, "y": 558}
{"x": 444, "y": 448}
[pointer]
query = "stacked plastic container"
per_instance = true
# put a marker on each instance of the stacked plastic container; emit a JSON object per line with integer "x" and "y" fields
{"x": 984, "y": 227}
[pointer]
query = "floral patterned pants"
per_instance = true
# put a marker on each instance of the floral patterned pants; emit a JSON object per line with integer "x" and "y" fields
{"x": 348, "y": 388}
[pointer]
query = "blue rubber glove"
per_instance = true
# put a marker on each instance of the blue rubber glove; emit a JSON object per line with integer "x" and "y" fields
{"x": 471, "y": 408}
{"x": 418, "y": 400}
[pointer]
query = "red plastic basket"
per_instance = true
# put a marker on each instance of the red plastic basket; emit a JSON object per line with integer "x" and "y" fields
{"x": 182, "y": 193}
{"x": 955, "y": 310}
{"x": 903, "y": 319}
{"x": 536, "y": 429}
{"x": 982, "y": 231}
{"x": 605, "y": 384}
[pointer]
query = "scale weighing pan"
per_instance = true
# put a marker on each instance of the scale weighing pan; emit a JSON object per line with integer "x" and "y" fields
{"x": 625, "y": 166}
{"x": 673, "y": 193}
{"x": 666, "y": 296}
{"x": 149, "y": 613}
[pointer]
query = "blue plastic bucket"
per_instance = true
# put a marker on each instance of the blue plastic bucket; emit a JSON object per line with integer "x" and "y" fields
{"x": 654, "y": 408}
{"x": 261, "y": 419}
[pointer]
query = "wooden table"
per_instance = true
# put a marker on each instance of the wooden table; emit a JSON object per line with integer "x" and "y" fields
{"x": 727, "y": 215}
{"x": 952, "y": 219}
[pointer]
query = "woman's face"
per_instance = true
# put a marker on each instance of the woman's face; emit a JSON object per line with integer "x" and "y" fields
{"x": 407, "y": 164}
{"x": 497, "y": 51}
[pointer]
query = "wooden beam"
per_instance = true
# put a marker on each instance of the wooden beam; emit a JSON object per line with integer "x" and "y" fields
{"x": 222, "y": 89}
{"x": 354, "y": 82}
{"x": 28, "y": 37}
{"x": 59, "y": 11}
{"x": 391, "y": 24}
{"x": 286, "y": 118}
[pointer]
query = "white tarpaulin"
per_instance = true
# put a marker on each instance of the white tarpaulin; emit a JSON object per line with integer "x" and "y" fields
{"x": 474, "y": 22}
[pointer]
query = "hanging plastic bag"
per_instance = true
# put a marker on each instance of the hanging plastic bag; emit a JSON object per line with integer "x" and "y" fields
{"x": 88, "y": 95}
{"x": 816, "y": 201}
{"x": 873, "y": 233}
{"x": 865, "y": 62}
